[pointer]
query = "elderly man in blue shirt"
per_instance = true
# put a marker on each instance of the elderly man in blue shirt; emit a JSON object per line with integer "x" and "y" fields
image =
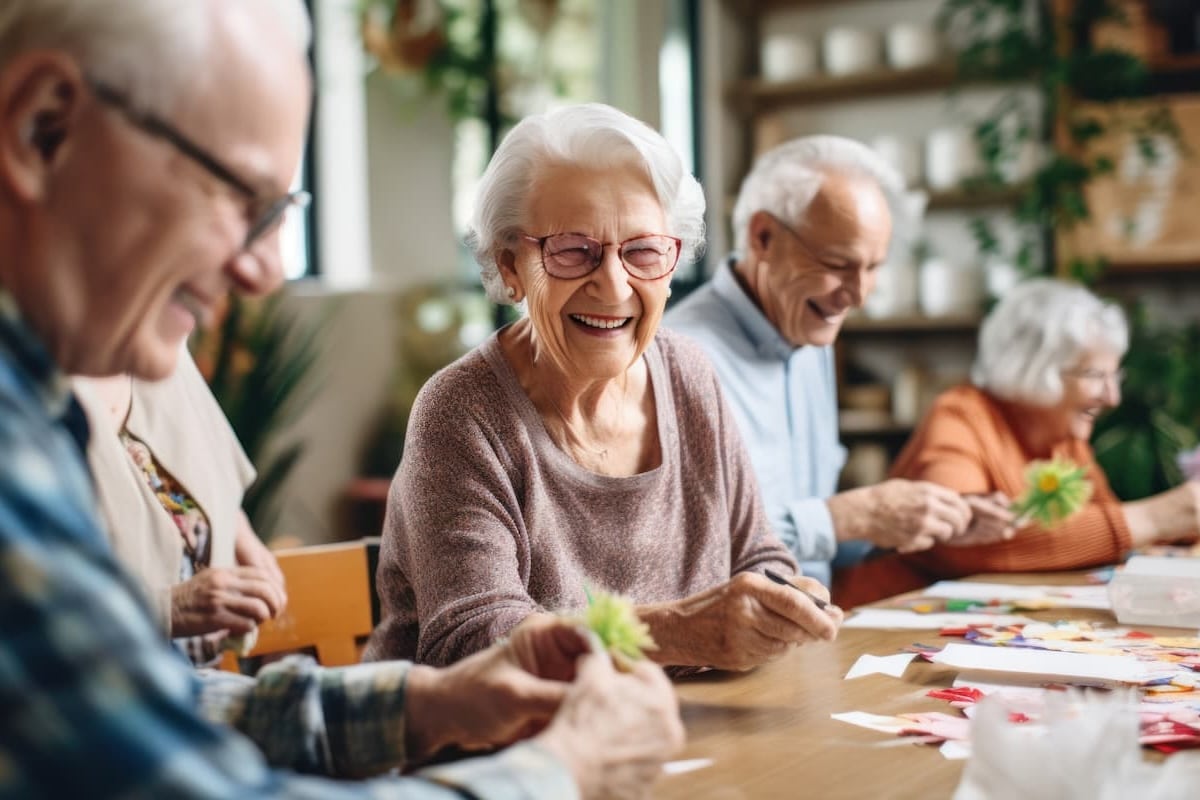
{"x": 812, "y": 225}
{"x": 146, "y": 150}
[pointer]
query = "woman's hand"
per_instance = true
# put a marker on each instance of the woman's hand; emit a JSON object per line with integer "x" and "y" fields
{"x": 991, "y": 521}
{"x": 1173, "y": 516}
{"x": 740, "y": 624}
{"x": 234, "y": 599}
{"x": 249, "y": 551}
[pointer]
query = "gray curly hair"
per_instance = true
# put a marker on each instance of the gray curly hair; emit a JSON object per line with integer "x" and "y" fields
{"x": 1040, "y": 328}
{"x": 592, "y": 135}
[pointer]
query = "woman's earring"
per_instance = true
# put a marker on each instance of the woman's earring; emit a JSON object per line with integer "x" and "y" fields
{"x": 668, "y": 291}
{"x": 511, "y": 292}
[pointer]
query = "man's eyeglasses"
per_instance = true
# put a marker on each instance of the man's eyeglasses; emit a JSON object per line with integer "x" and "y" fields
{"x": 572, "y": 255}
{"x": 264, "y": 213}
{"x": 808, "y": 251}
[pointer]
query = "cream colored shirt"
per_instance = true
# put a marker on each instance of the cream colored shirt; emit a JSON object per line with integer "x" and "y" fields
{"x": 180, "y": 421}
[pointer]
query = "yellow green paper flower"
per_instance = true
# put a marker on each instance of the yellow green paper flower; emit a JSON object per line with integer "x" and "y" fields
{"x": 612, "y": 618}
{"x": 1055, "y": 490}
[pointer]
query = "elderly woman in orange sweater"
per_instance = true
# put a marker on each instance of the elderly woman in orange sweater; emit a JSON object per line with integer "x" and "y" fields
{"x": 1047, "y": 366}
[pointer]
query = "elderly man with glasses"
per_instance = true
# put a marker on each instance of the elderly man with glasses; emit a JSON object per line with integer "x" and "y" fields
{"x": 813, "y": 223}
{"x": 146, "y": 150}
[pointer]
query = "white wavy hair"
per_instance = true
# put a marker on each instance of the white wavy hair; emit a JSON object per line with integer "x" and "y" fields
{"x": 785, "y": 179}
{"x": 149, "y": 49}
{"x": 590, "y": 135}
{"x": 1041, "y": 327}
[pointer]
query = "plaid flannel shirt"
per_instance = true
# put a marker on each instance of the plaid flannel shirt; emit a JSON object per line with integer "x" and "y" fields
{"x": 95, "y": 703}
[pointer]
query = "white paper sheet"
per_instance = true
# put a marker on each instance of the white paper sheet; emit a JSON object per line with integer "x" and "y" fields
{"x": 893, "y": 665}
{"x": 686, "y": 765}
{"x": 1095, "y": 597}
{"x": 876, "y": 722}
{"x": 1046, "y": 665}
{"x": 903, "y": 619}
{"x": 955, "y": 751}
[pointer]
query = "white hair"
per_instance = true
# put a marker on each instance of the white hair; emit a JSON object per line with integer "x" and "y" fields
{"x": 590, "y": 135}
{"x": 149, "y": 49}
{"x": 785, "y": 179}
{"x": 1040, "y": 328}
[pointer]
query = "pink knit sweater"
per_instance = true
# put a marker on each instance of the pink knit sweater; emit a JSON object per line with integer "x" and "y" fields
{"x": 489, "y": 521}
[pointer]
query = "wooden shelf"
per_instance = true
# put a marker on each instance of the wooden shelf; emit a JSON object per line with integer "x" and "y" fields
{"x": 756, "y": 96}
{"x": 956, "y": 199}
{"x": 1171, "y": 273}
{"x": 856, "y": 423}
{"x": 760, "y": 6}
{"x": 778, "y": 5}
{"x": 951, "y": 200}
{"x": 912, "y": 324}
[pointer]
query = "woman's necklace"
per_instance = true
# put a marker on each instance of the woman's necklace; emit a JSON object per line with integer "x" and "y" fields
{"x": 575, "y": 441}
{"x": 572, "y": 439}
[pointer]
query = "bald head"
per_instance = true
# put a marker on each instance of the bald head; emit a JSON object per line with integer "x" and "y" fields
{"x": 129, "y": 186}
{"x": 848, "y": 212}
{"x": 808, "y": 273}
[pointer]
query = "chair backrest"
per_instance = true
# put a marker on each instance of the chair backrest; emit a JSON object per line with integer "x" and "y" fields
{"x": 329, "y": 605}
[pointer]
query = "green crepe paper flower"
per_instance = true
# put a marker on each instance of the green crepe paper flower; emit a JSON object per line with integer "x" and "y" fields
{"x": 612, "y": 618}
{"x": 1055, "y": 490}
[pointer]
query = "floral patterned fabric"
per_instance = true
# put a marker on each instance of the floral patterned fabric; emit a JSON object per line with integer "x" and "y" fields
{"x": 195, "y": 537}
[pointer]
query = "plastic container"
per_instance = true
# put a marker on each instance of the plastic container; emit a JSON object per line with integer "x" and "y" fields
{"x": 1157, "y": 591}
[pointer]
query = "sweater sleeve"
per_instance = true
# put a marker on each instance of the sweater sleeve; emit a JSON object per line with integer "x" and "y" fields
{"x": 754, "y": 547}
{"x": 453, "y": 534}
{"x": 966, "y": 446}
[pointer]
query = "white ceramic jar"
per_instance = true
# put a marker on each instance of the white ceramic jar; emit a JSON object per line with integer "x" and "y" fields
{"x": 951, "y": 156}
{"x": 947, "y": 289}
{"x": 912, "y": 44}
{"x": 788, "y": 57}
{"x": 895, "y": 292}
{"x": 903, "y": 154}
{"x": 850, "y": 50}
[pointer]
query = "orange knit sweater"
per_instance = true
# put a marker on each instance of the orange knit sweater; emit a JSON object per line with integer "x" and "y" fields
{"x": 968, "y": 444}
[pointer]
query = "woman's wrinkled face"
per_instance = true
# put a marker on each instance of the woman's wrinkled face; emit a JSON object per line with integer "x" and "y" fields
{"x": 596, "y": 326}
{"x": 1091, "y": 386}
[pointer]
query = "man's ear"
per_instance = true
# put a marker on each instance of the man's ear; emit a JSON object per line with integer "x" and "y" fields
{"x": 41, "y": 95}
{"x": 760, "y": 233}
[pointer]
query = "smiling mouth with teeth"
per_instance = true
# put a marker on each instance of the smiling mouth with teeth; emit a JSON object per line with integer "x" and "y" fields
{"x": 601, "y": 322}
{"x": 827, "y": 317}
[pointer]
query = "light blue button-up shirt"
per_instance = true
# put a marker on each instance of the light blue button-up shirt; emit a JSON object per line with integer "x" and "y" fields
{"x": 785, "y": 402}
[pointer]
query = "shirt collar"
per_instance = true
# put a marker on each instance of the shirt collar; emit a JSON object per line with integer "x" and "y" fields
{"x": 765, "y": 337}
{"x": 20, "y": 344}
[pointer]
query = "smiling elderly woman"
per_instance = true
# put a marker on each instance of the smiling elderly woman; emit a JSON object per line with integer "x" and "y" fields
{"x": 1048, "y": 365}
{"x": 581, "y": 446}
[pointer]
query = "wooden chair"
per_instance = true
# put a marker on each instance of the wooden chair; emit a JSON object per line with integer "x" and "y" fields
{"x": 329, "y": 609}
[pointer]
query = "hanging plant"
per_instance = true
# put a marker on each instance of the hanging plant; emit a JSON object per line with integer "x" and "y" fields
{"x": 1024, "y": 44}
{"x": 441, "y": 44}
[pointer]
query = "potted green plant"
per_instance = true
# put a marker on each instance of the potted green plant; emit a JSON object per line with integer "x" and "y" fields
{"x": 1138, "y": 443}
{"x": 259, "y": 364}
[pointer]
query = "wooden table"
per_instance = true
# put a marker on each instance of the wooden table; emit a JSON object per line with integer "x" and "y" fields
{"x": 770, "y": 734}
